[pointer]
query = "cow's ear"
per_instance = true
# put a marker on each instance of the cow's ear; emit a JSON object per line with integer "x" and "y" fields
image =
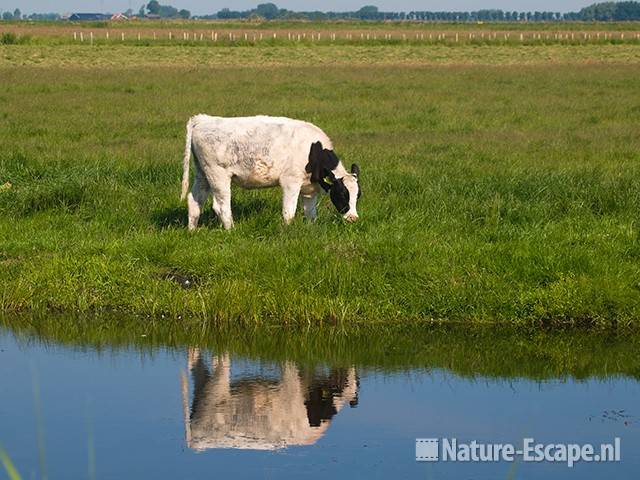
{"x": 355, "y": 170}
{"x": 314, "y": 167}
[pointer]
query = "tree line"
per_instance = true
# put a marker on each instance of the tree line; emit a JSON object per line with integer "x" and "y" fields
{"x": 607, "y": 11}
{"x": 163, "y": 11}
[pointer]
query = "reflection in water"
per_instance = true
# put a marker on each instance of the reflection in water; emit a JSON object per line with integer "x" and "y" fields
{"x": 260, "y": 413}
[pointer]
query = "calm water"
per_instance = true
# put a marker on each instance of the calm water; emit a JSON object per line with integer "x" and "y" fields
{"x": 195, "y": 413}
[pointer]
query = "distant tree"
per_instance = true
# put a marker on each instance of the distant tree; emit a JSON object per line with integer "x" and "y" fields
{"x": 141, "y": 11}
{"x": 167, "y": 11}
{"x": 226, "y": 14}
{"x": 153, "y": 7}
{"x": 599, "y": 11}
{"x": 17, "y": 14}
{"x": 184, "y": 13}
{"x": 627, "y": 11}
{"x": 267, "y": 10}
{"x": 368, "y": 12}
{"x": 7, "y": 16}
{"x": 44, "y": 16}
{"x": 129, "y": 12}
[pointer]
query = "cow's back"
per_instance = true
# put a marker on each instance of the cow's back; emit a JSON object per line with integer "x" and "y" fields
{"x": 256, "y": 151}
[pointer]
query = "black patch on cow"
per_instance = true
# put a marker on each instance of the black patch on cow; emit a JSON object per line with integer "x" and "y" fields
{"x": 339, "y": 195}
{"x": 321, "y": 163}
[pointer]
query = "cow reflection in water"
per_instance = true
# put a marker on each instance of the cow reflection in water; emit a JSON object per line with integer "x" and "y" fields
{"x": 260, "y": 413}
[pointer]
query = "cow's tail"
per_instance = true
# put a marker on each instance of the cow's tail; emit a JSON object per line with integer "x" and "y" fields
{"x": 186, "y": 160}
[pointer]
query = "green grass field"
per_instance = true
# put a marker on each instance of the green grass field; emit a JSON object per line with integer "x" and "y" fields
{"x": 499, "y": 184}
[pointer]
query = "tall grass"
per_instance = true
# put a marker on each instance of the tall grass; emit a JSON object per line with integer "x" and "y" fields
{"x": 9, "y": 467}
{"x": 490, "y": 194}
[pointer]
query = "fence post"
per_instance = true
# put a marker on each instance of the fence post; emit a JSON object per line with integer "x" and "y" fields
{"x": 81, "y": 37}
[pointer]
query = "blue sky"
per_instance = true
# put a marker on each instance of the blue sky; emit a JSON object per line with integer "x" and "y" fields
{"x": 210, "y": 6}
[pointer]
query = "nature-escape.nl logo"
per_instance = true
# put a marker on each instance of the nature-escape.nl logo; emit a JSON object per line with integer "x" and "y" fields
{"x": 451, "y": 450}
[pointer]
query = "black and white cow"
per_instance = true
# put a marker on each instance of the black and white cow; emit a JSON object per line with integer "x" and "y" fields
{"x": 262, "y": 151}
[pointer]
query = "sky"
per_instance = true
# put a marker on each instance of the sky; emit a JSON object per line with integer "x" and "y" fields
{"x": 199, "y": 7}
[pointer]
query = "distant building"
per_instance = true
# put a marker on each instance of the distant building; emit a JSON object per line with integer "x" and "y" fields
{"x": 118, "y": 16}
{"x": 88, "y": 17}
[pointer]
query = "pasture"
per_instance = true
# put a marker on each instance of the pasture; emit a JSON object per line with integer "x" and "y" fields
{"x": 500, "y": 183}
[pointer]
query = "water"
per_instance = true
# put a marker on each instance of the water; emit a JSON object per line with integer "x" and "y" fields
{"x": 165, "y": 412}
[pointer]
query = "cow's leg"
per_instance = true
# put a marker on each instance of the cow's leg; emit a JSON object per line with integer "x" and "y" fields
{"x": 290, "y": 194}
{"x": 221, "y": 186}
{"x": 215, "y": 206}
{"x": 196, "y": 198}
{"x": 309, "y": 204}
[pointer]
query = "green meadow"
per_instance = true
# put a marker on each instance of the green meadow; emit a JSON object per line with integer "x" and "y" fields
{"x": 500, "y": 184}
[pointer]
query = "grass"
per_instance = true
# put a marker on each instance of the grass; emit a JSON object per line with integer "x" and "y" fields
{"x": 500, "y": 189}
{"x": 135, "y": 58}
{"x": 10, "y": 469}
{"x": 289, "y": 33}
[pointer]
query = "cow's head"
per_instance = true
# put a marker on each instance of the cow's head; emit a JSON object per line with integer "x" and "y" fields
{"x": 344, "y": 191}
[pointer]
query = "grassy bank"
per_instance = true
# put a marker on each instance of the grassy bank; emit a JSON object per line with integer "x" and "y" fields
{"x": 505, "y": 192}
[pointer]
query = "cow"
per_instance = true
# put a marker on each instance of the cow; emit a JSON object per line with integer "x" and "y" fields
{"x": 264, "y": 151}
{"x": 245, "y": 411}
